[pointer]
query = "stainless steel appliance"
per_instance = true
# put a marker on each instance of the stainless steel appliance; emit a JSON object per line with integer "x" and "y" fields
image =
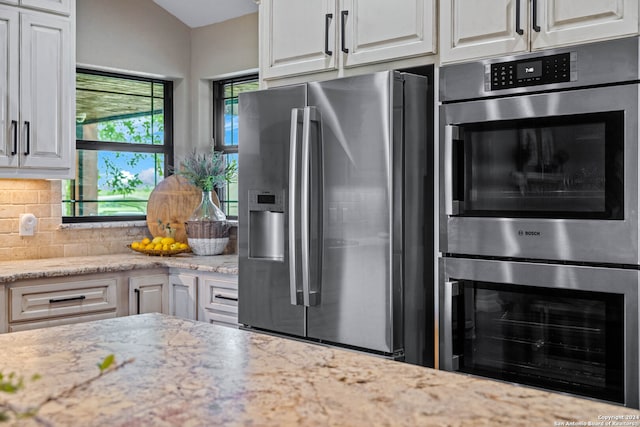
{"x": 540, "y": 155}
{"x": 567, "y": 328}
{"x": 332, "y": 194}
{"x": 539, "y": 219}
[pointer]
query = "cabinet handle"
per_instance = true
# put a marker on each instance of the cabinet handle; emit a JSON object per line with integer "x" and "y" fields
{"x": 55, "y": 300}
{"x": 534, "y": 15}
{"x": 343, "y": 24}
{"x": 519, "y": 29}
{"x": 27, "y": 124}
{"x": 224, "y": 297}
{"x": 137, "y": 291}
{"x": 327, "y": 21}
{"x": 14, "y": 128}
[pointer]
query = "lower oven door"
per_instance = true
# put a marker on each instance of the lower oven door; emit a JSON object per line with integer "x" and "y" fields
{"x": 571, "y": 329}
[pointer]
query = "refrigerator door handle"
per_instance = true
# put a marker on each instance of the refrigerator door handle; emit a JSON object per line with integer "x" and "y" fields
{"x": 294, "y": 289}
{"x": 309, "y": 115}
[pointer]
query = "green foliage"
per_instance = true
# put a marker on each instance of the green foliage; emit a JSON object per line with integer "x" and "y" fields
{"x": 12, "y": 383}
{"x": 106, "y": 363}
{"x": 138, "y": 131}
{"x": 207, "y": 171}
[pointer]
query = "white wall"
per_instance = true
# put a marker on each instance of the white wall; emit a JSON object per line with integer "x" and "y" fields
{"x": 220, "y": 50}
{"x": 138, "y": 36}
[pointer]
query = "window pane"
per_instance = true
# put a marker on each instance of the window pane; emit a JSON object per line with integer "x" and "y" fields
{"x": 230, "y": 192}
{"x": 231, "y": 121}
{"x": 117, "y": 109}
{"x": 112, "y": 183}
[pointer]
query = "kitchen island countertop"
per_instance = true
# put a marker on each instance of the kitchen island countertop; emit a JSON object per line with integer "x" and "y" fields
{"x": 11, "y": 271}
{"x": 197, "y": 374}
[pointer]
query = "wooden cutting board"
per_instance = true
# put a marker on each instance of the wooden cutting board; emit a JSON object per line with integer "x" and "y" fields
{"x": 173, "y": 201}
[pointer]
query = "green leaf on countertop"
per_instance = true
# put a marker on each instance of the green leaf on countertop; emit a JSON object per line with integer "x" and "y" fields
{"x": 4, "y": 417}
{"x": 108, "y": 361}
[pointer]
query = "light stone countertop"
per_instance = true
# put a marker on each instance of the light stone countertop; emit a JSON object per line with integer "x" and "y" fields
{"x": 189, "y": 373}
{"x": 11, "y": 271}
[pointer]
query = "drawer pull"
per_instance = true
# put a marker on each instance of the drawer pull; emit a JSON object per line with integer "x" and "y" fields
{"x": 55, "y": 300}
{"x": 220, "y": 296}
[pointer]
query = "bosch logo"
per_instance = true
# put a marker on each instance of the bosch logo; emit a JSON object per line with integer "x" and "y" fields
{"x": 528, "y": 233}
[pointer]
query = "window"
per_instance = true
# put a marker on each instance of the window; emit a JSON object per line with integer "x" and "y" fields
{"x": 225, "y": 128}
{"x": 124, "y": 146}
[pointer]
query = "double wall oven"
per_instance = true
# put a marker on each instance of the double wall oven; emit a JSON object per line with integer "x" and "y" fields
{"x": 539, "y": 267}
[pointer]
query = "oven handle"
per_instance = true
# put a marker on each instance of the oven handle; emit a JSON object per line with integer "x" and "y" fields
{"x": 451, "y": 133}
{"x": 449, "y": 362}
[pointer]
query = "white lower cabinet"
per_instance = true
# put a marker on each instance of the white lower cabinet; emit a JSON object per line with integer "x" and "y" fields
{"x": 149, "y": 293}
{"x": 3, "y": 312}
{"x": 190, "y": 294}
{"x": 218, "y": 299}
{"x": 205, "y": 296}
{"x": 39, "y": 303}
{"x": 183, "y": 294}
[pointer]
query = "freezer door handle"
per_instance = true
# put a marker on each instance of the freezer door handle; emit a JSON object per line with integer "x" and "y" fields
{"x": 294, "y": 288}
{"x": 449, "y": 361}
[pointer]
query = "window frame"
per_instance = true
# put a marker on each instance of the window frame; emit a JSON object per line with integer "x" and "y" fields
{"x": 218, "y": 124}
{"x": 167, "y": 148}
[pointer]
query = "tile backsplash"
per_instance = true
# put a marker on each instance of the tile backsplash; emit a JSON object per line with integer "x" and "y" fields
{"x": 51, "y": 238}
{"x": 42, "y": 198}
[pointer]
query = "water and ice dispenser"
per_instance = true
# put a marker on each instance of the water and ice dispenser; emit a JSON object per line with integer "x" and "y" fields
{"x": 266, "y": 225}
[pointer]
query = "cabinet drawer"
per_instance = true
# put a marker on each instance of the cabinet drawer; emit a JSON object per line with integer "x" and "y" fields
{"x": 61, "y": 299}
{"x": 26, "y": 326}
{"x": 221, "y": 318}
{"x": 220, "y": 293}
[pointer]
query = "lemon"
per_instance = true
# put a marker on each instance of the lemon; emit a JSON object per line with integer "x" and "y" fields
{"x": 150, "y": 247}
{"x": 145, "y": 241}
{"x": 156, "y": 240}
{"x": 135, "y": 245}
{"x": 168, "y": 241}
{"x": 165, "y": 247}
{"x": 174, "y": 246}
{"x": 158, "y": 246}
{"x": 183, "y": 245}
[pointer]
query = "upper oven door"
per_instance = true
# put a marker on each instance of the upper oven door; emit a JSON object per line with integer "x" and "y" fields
{"x": 547, "y": 176}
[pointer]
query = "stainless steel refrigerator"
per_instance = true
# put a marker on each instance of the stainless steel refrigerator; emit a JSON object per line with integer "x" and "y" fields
{"x": 335, "y": 213}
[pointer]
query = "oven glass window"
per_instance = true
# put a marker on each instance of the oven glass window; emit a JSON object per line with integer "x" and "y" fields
{"x": 551, "y": 167}
{"x": 564, "y": 340}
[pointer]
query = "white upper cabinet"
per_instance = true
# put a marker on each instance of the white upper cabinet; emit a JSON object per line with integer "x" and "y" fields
{"x": 38, "y": 93}
{"x": 564, "y": 22}
{"x": 382, "y": 30}
{"x": 470, "y": 29}
{"x": 57, "y": 6}
{"x": 297, "y": 37}
{"x": 300, "y": 37}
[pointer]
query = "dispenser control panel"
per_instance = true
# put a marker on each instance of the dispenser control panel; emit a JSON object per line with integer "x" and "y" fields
{"x": 260, "y": 200}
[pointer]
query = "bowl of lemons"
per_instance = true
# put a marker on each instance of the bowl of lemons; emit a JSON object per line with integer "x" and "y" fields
{"x": 159, "y": 246}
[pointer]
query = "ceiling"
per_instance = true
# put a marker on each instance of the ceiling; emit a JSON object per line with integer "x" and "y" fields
{"x": 198, "y": 13}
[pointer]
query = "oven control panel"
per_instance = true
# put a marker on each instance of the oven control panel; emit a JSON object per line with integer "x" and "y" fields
{"x": 531, "y": 72}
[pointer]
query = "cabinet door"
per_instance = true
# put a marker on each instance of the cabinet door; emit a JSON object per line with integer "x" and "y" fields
{"x": 46, "y": 91}
{"x": 3, "y": 312}
{"x": 475, "y": 29}
{"x": 382, "y": 30}
{"x": 59, "y": 6}
{"x": 565, "y": 22}
{"x": 183, "y": 295}
{"x": 297, "y": 37}
{"x": 9, "y": 67}
{"x": 149, "y": 294}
